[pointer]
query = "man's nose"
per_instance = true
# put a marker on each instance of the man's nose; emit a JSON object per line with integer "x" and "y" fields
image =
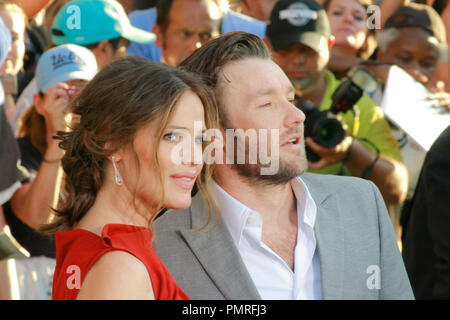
{"x": 294, "y": 115}
{"x": 418, "y": 75}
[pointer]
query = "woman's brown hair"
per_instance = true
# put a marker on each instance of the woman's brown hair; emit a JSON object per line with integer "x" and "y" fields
{"x": 122, "y": 98}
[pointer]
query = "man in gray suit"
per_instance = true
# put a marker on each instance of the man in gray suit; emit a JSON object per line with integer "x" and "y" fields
{"x": 283, "y": 233}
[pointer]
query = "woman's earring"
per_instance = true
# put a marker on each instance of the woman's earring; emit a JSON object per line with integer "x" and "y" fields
{"x": 118, "y": 177}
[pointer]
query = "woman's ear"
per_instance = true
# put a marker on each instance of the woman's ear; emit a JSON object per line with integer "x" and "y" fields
{"x": 110, "y": 145}
{"x": 331, "y": 42}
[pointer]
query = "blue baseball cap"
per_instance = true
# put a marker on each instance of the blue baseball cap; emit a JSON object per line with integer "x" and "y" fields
{"x": 85, "y": 22}
{"x": 64, "y": 63}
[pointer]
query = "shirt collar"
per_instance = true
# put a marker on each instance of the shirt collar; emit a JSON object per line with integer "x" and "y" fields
{"x": 235, "y": 213}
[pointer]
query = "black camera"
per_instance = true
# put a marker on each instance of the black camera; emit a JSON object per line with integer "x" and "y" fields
{"x": 322, "y": 126}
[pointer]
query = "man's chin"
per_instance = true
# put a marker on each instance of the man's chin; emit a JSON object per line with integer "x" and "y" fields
{"x": 262, "y": 174}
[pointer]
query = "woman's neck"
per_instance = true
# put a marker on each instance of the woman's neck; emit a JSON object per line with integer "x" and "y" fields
{"x": 113, "y": 205}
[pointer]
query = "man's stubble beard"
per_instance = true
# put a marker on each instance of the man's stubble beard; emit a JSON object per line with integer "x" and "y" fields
{"x": 286, "y": 170}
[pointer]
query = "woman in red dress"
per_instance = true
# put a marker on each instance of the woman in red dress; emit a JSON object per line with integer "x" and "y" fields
{"x": 130, "y": 154}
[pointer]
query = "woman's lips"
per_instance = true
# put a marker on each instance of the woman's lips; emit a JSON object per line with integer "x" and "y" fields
{"x": 184, "y": 180}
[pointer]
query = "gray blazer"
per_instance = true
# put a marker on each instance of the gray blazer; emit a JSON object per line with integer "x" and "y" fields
{"x": 356, "y": 243}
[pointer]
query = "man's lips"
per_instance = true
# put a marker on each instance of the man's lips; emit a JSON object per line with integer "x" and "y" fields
{"x": 292, "y": 142}
{"x": 297, "y": 74}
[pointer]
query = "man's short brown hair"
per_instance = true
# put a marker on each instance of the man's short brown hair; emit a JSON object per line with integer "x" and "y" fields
{"x": 209, "y": 60}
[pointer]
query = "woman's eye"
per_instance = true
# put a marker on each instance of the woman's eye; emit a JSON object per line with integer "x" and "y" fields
{"x": 172, "y": 137}
{"x": 337, "y": 13}
{"x": 199, "y": 139}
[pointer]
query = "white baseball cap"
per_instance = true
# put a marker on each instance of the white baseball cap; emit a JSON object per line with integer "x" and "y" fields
{"x": 64, "y": 63}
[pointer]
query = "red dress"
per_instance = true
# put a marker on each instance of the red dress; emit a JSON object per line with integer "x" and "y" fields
{"x": 77, "y": 250}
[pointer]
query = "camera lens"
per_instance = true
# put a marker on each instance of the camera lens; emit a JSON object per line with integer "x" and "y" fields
{"x": 327, "y": 132}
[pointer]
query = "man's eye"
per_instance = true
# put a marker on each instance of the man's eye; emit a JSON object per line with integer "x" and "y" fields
{"x": 428, "y": 64}
{"x": 186, "y": 33}
{"x": 266, "y": 105}
{"x": 204, "y": 37}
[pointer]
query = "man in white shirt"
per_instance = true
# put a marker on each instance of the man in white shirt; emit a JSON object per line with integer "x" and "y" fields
{"x": 283, "y": 233}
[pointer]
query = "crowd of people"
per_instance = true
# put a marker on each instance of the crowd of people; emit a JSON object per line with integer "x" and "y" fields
{"x": 106, "y": 105}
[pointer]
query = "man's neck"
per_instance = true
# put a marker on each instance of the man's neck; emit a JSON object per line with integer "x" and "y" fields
{"x": 268, "y": 200}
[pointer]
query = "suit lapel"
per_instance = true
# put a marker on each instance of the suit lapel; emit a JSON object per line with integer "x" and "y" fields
{"x": 330, "y": 241}
{"x": 218, "y": 255}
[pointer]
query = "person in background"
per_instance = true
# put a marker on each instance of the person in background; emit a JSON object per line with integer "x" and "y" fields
{"x": 352, "y": 36}
{"x": 15, "y": 20}
{"x": 372, "y": 24}
{"x": 258, "y": 9}
{"x": 61, "y": 73}
{"x": 104, "y": 29}
{"x": 121, "y": 169}
{"x": 302, "y": 49}
{"x": 42, "y": 42}
{"x": 414, "y": 39}
{"x": 442, "y": 76}
{"x": 10, "y": 174}
{"x": 184, "y": 25}
{"x": 426, "y": 225}
{"x": 32, "y": 8}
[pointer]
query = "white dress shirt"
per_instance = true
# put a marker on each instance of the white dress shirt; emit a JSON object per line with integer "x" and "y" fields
{"x": 273, "y": 278}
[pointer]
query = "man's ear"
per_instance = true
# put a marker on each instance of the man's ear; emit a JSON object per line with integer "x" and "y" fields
{"x": 159, "y": 35}
{"x": 38, "y": 103}
{"x": 101, "y": 52}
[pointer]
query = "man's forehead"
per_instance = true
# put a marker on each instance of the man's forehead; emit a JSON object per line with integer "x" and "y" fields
{"x": 194, "y": 12}
{"x": 253, "y": 77}
{"x": 414, "y": 35}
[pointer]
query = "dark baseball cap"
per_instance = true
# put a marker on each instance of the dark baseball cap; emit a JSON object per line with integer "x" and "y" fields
{"x": 298, "y": 21}
{"x": 418, "y": 16}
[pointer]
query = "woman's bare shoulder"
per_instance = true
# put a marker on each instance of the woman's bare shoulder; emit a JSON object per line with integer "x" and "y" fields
{"x": 117, "y": 275}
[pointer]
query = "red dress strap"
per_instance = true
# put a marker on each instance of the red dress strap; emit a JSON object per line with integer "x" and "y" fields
{"x": 77, "y": 251}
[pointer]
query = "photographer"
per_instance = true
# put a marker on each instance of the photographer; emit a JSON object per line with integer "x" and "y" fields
{"x": 60, "y": 73}
{"x": 301, "y": 46}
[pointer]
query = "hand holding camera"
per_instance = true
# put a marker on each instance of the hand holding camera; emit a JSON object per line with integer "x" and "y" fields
{"x": 327, "y": 140}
